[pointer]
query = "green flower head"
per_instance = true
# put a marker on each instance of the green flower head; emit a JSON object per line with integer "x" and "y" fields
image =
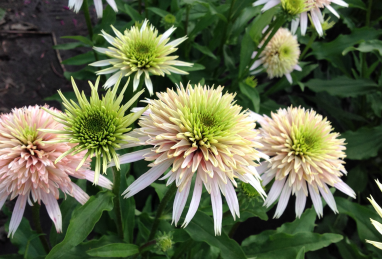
{"x": 98, "y": 125}
{"x": 295, "y": 7}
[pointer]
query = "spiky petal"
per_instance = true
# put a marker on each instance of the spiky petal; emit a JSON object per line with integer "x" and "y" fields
{"x": 27, "y": 168}
{"x": 201, "y": 133}
{"x": 306, "y": 158}
{"x": 97, "y": 126}
{"x": 376, "y": 224}
{"x": 140, "y": 51}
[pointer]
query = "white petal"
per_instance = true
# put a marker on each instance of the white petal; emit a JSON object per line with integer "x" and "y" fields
{"x": 377, "y": 225}
{"x": 112, "y": 80}
{"x": 303, "y": 23}
{"x": 289, "y": 78}
{"x": 328, "y": 196}
{"x": 264, "y": 165}
{"x": 98, "y": 7}
{"x": 144, "y": 25}
{"x": 331, "y": 9}
{"x": 147, "y": 178}
{"x": 294, "y": 26}
{"x": 270, "y": 4}
{"x": 107, "y": 71}
{"x": 259, "y": 2}
{"x": 136, "y": 79}
{"x": 102, "y": 180}
{"x": 131, "y": 157}
{"x": 176, "y": 42}
{"x": 149, "y": 84}
{"x": 316, "y": 21}
{"x": 53, "y": 210}
{"x": 102, "y": 63}
{"x": 194, "y": 201}
{"x": 283, "y": 201}
{"x": 300, "y": 202}
{"x": 232, "y": 201}
{"x": 81, "y": 196}
{"x": 256, "y": 184}
{"x": 108, "y": 37}
{"x": 343, "y": 187}
{"x": 101, "y": 50}
{"x": 166, "y": 34}
{"x": 275, "y": 191}
{"x": 180, "y": 202}
{"x": 17, "y": 214}
{"x": 217, "y": 206}
{"x": 113, "y": 5}
{"x": 256, "y": 64}
{"x": 317, "y": 202}
{"x": 376, "y": 244}
{"x": 297, "y": 67}
{"x": 340, "y": 2}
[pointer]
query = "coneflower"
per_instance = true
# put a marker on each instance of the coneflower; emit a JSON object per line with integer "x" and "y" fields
{"x": 305, "y": 158}
{"x": 376, "y": 224}
{"x": 27, "y": 168}
{"x": 199, "y": 132}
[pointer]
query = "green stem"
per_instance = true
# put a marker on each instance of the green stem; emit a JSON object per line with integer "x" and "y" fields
{"x": 186, "y": 46}
{"x": 307, "y": 47}
{"x": 85, "y": 9}
{"x": 117, "y": 205}
{"x": 37, "y": 224}
{"x": 276, "y": 26}
{"x": 170, "y": 192}
{"x": 368, "y": 14}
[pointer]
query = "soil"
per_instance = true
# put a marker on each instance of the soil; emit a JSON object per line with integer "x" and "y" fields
{"x": 29, "y": 67}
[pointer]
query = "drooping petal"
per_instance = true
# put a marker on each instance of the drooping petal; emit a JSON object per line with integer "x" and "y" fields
{"x": 17, "y": 214}
{"x": 300, "y": 202}
{"x": 343, "y": 187}
{"x": 180, "y": 202}
{"x": 275, "y": 192}
{"x": 217, "y": 207}
{"x": 316, "y": 199}
{"x": 53, "y": 210}
{"x": 81, "y": 196}
{"x": 132, "y": 157}
{"x": 194, "y": 201}
{"x": 283, "y": 201}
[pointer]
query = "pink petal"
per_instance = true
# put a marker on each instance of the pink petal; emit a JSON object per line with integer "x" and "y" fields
{"x": 17, "y": 214}
{"x": 194, "y": 201}
{"x": 53, "y": 210}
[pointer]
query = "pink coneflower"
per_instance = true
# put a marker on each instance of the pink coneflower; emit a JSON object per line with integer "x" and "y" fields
{"x": 198, "y": 132}
{"x": 306, "y": 157}
{"x": 27, "y": 168}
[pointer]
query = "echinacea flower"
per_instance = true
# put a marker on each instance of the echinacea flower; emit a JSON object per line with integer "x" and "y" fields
{"x": 376, "y": 224}
{"x": 197, "y": 131}
{"x": 97, "y": 126}
{"x": 312, "y": 6}
{"x": 27, "y": 168}
{"x": 75, "y": 5}
{"x": 280, "y": 56}
{"x": 140, "y": 50}
{"x": 305, "y": 157}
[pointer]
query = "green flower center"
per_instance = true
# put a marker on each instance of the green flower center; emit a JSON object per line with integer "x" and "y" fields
{"x": 28, "y": 134}
{"x": 141, "y": 54}
{"x": 306, "y": 142}
{"x": 169, "y": 18}
{"x": 96, "y": 127}
{"x": 294, "y": 7}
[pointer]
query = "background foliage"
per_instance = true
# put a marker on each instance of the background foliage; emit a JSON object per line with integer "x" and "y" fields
{"x": 341, "y": 79}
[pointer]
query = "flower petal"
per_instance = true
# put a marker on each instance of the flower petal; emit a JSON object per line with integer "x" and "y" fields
{"x": 17, "y": 214}
{"x": 53, "y": 210}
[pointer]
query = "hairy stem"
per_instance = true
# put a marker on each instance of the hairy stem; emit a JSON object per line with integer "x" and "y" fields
{"x": 117, "y": 205}
{"x": 37, "y": 224}
{"x": 170, "y": 192}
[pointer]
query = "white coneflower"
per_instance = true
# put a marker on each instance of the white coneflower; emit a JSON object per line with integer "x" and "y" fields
{"x": 140, "y": 50}
{"x": 27, "y": 168}
{"x": 376, "y": 224}
{"x": 306, "y": 157}
{"x": 280, "y": 56}
{"x": 199, "y": 132}
{"x": 75, "y": 5}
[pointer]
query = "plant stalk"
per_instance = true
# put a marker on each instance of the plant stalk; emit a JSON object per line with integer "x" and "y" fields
{"x": 170, "y": 192}
{"x": 85, "y": 9}
{"x": 117, "y": 205}
{"x": 37, "y": 224}
{"x": 307, "y": 47}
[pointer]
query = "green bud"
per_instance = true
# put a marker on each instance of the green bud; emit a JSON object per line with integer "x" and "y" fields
{"x": 251, "y": 81}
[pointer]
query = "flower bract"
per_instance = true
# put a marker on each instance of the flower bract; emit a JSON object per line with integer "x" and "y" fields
{"x": 200, "y": 133}
{"x": 305, "y": 158}
{"x": 140, "y": 51}
{"x": 27, "y": 168}
{"x": 97, "y": 126}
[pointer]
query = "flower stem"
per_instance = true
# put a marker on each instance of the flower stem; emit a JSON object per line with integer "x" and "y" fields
{"x": 307, "y": 47}
{"x": 187, "y": 48}
{"x": 276, "y": 26}
{"x": 37, "y": 224}
{"x": 170, "y": 192}
{"x": 117, "y": 205}
{"x": 85, "y": 9}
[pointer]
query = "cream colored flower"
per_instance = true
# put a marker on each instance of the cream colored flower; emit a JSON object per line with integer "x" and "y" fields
{"x": 377, "y": 225}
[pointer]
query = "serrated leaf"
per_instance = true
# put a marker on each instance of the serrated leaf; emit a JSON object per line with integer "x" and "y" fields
{"x": 82, "y": 223}
{"x": 114, "y": 250}
{"x": 343, "y": 86}
{"x": 363, "y": 143}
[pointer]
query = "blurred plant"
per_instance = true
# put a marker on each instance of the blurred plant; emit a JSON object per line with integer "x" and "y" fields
{"x": 376, "y": 224}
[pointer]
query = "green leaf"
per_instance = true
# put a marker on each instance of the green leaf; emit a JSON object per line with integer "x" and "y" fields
{"x": 114, "y": 250}
{"x": 204, "y": 49}
{"x": 363, "y": 143}
{"x": 367, "y": 46}
{"x": 357, "y": 4}
{"x": 160, "y": 12}
{"x": 108, "y": 18}
{"x": 135, "y": 16}
{"x": 357, "y": 179}
{"x": 160, "y": 189}
{"x": 229, "y": 60}
{"x": 79, "y": 38}
{"x": 255, "y": 209}
{"x": 286, "y": 246}
{"x": 87, "y": 73}
{"x": 201, "y": 229}
{"x": 81, "y": 59}
{"x": 252, "y": 94}
{"x": 242, "y": 20}
{"x": 247, "y": 48}
{"x": 361, "y": 215}
{"x": 257, "y": 26}
{"x": 343, "y": 86}
{"x": 70, "y": 45}
{"x": 82, "y": 223}
{"x": 301, "y": 253}
{"x": 207, "y": 20}
{"x": 304, "y": 224}
{"x": 12, "y": 256}
{"x": 127, "y": 205}
{"x": 195, "y": 67}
